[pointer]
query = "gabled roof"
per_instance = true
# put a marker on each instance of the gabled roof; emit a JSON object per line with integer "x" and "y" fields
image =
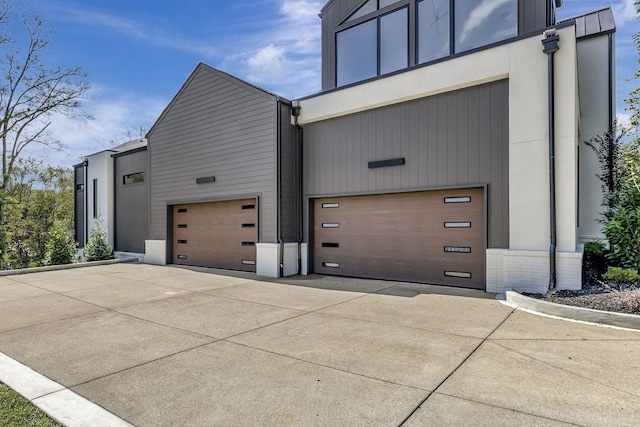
{"x": 127, "y": 146}
{"x": 131, "y": 145}
{"x": 202, "y": 66}
{"x": 594, "y": 23}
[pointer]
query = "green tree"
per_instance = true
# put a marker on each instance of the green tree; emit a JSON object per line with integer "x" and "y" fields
{"x": 633, "y": 99}
{"x": 37, "y": 199}
{"x": 97, "y": 248}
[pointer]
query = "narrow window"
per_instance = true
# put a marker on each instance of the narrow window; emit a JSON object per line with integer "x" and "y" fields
{"x": 463, "y": 224}
{"x": 80, "y": 187}
{"x": 357, "y": 57}
{"x": 95, "y": 198}
{"x": 331, "y": 265}
{"x": 133, "y": 178}
{"x": 457, "y": 199}
{"x": 394, "y": 41}
{"x": 330, "y": 205}
{"x": 434, "y": 30}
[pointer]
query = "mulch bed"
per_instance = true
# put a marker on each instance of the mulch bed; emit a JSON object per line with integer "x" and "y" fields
{"x": 596, "y": 293}
{"x": 621, "y": 298}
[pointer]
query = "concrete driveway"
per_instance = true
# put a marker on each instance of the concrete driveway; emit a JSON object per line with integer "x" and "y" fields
{"x": 177, "y": 346}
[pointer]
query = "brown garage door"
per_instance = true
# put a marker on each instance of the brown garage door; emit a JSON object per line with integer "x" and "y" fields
{"x": 218, "y": 234}
{"x": 428, "y": 237}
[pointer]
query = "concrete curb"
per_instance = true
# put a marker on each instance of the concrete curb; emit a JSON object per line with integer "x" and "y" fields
{"x": 622, "y": 320}
{"x": 57, "y": 401}
{"x": 65, "y": 266}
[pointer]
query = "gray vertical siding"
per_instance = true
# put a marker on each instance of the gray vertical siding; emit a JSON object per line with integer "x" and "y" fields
{"x": 79, "y": 205}
{"x": 216, "y": 126}
{"x": 289, "y": 177}
{"x": 458, "y": 138}
{"x": 532, "y": 16}
{"x": 131, "y": 202}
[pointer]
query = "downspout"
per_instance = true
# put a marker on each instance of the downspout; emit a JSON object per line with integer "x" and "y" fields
{"x": 279, "y": 187}
{"x": 295, "y": 112}
{"x": 550, "y": 47}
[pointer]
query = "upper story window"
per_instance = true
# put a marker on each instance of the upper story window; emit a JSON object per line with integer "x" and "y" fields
{"x": 377, "y": 46}
{"x": 383, "y": 36}
{"x": 479, "y": 23}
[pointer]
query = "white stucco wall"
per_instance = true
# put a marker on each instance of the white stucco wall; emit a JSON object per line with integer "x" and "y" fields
{"x": 100, "y": 167}
{"x": 593, "y": 80}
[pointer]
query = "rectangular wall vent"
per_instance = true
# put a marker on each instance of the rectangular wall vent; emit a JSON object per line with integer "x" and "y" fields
{"x": 458, "y": 274}
{"x": 386, "y": 163}
{"x": 457, "y": 225}
{"x": 330, "y": 225}
{"x": 330, "y": 205}
{"x": 206, "y": 180}
{"x": 457, "y": 199}
{"x": 331, "y": 264}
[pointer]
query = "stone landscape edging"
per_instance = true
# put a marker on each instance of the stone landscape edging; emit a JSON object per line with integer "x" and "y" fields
{"x": 65, "y": 266}
{"x": 622, "y": 320}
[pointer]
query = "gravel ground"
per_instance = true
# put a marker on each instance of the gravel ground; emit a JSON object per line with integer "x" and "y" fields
{"x": 622, "y": 298}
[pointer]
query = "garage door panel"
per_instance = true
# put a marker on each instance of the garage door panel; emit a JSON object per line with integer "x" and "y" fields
{"x": 217, "y": 234}
{"x": 421, "y": 236}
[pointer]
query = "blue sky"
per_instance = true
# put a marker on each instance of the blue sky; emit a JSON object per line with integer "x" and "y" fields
{"x": 138, "y": 53}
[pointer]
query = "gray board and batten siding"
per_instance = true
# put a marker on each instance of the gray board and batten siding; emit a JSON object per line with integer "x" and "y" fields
{"x": 216, "y": 126}
{"x": 452, "y": 140}
{"x": 131, "y": 201}
{"x": 290, "y": 182}
{"x": 79, "y": 204}
{"x": 532, "y": 17}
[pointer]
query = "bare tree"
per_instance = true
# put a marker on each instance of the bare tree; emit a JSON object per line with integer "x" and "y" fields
{"x": 32, "y": 91}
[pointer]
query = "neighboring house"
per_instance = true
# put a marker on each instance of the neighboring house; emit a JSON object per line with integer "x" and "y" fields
{"x": 111, "y": 193}
{"x": 425, "y": 158}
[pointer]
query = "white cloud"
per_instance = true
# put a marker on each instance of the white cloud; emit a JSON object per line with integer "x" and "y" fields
{"x": 479, "y": 15}
{"x": 286, "y": 57}
{"x": 117, "y": 118}
{"x": 624, "y": 11}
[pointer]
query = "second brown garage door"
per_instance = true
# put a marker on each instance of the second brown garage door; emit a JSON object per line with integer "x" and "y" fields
{"x": 428, "y": 237}
{"x": 218, "y": 234}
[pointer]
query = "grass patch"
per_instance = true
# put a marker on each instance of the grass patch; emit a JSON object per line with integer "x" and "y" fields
{"x": 16, "y": 411}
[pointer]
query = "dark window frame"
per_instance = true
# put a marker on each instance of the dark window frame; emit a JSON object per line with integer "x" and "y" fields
{"x": 377, "y": 15}
{"x": 95, "y": 198}
{"x": 412, "y": 42}
{"x": 127, "y": 184}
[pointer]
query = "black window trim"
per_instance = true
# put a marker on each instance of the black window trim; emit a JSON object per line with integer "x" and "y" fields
{"x": 124, "y": 177}
{"x": 344, "y": 25}
{"x": 370, "y": 17}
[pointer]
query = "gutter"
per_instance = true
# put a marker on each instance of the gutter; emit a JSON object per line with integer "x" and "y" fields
{"x": 550, "y": 47}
